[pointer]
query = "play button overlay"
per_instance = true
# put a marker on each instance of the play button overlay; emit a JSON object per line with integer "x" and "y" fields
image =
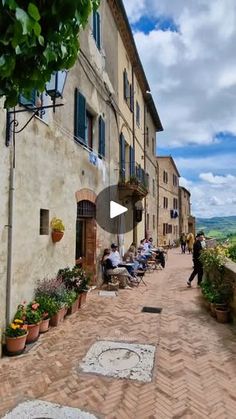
{"x": 112, "y": 214}
{"x": 116, "y": 209}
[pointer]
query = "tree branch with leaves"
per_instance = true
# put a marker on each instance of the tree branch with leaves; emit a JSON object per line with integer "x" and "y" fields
{"x": 36, "y": 39}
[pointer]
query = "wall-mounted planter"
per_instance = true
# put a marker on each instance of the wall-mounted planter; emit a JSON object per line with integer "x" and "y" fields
{"x": 57, "y": 236}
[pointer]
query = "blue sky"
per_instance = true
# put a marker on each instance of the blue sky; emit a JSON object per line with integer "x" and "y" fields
{"x": 190, "y": 62}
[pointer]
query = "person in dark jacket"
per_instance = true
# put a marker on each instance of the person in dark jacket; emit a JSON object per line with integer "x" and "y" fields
{"x": 197, "y": 264}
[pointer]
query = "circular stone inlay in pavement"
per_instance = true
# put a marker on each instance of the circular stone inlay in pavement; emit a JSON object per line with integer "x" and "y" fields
{"x": 118, "y": 359}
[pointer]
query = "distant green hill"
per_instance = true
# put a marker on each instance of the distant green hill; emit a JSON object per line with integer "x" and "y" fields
{"x": 218, "y": 227}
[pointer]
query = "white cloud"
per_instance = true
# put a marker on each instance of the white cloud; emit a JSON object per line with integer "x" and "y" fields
{"x": 217, "y": 180}
{"x": 192, "y": 72}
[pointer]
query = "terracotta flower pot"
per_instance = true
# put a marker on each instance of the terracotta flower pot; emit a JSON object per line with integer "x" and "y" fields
{"x": 222, "y": 315}
{"x": 73, "y": 308}
{"x": 15, "y": 346}
{"x": 44, "y": 326}
{"x": 57, "y": 318}
{"x": 82, "y": 299}
{"x": 33, "y": 333}
{"x": 57, "y": 236}
{"x": 213, "y": 309}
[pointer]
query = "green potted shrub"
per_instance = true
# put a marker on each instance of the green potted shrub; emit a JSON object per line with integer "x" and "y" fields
{"x": 16, "y": 334}
{"x": 221, "y": 287}
{"x": 48, "y": 308}
{"x": 58, "y": 229}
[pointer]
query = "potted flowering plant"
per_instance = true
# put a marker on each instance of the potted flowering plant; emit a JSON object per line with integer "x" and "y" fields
{"x": 58, "y": 229}
{"x": 31, "y": 316}
{"x": 16, "y": 334}
{"x": 52, "y": 289}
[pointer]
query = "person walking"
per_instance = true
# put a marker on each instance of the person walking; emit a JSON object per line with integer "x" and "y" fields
{"x": 183, "y": 242}
{"x": 197, "y": 264}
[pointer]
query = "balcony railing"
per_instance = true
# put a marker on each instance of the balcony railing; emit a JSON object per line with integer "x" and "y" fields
{"x": 135, "y": 186}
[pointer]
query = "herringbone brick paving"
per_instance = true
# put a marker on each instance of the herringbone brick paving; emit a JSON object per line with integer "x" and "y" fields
{"x": 194, "y": 374}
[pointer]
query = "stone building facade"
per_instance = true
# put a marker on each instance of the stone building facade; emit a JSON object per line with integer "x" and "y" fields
{"x": 168, "y": 201}
{"x": 186, "y": 220}
{"x": 61, "y": 161}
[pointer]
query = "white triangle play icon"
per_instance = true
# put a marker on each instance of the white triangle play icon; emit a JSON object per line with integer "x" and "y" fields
{"x": 116, "y": 209}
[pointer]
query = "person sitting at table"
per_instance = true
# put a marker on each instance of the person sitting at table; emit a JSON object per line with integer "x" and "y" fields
{"x": 110, "y": 261}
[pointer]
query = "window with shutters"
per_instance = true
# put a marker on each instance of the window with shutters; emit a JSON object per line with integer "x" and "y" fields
{"x": 126, "y": 86}
{"x": 80, "y": 118}
{"x": 165, "y": 202}
{"x": 175, "y": 203}
{"x": 165, "y": 177}
{"x": 97, "y": 28}
{"x": 165, "y": 229}
{"x": 101, "y": 137}
{"x": 137, "y": 114}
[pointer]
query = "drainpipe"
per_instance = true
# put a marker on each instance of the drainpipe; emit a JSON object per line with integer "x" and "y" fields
{"x": 158, "y": 198}
{"x": 133, "y": 129}
{"x": 10, "y": 226}
{"x": 145, "y": 165}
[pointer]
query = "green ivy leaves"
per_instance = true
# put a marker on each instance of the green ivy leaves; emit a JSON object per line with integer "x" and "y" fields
{"x": 36, "y": 39}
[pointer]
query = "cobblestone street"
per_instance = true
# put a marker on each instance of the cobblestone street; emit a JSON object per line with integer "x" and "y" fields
{"x": 194, "y": 374}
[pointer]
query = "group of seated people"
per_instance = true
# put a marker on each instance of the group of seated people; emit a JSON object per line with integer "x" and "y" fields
{"x": 133, "y": 264}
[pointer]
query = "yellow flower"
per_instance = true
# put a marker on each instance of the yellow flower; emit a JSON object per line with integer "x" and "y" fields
{"x": 15, "y": 326}
{"x": 18, "y": 321}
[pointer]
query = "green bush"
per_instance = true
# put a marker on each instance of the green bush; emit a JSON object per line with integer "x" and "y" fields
{"x": 232, "y": 252}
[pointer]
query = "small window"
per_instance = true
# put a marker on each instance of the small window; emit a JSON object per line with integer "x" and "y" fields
{"x": 44, "y": 222}
{"x": 147, "y": 221}
{"x": 165, "y": 202}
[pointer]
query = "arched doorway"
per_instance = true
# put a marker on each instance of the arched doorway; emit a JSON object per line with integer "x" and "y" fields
{"x": 86, "y": 234}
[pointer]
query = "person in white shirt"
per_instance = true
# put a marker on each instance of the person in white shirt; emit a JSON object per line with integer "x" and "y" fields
{"x": 123, "y": 275}
{"x": 115, "y": 256}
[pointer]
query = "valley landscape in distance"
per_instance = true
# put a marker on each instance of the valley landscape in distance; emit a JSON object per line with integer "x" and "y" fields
{"x": 221, "y": 228}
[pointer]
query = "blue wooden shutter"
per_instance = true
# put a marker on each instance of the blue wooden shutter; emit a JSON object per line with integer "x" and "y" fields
{"x": 97, "y": 28}
{"x": 101, "y": 140}
{"x": 132, "y": 98}
{"x": 126, "y": 85}
{"x": 132, "y": 162}
{"x": 80, "y": 116}
{"x": 98, "y": 40}
{"x": 122, "y": 156}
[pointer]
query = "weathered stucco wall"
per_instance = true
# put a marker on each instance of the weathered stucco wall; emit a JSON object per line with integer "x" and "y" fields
{"x": 169, "y": 191}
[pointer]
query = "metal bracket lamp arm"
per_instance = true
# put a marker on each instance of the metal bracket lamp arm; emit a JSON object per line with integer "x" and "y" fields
{"x": 12, "y": 124}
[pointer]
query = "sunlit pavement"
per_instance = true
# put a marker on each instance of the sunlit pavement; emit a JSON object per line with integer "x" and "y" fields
{"x": 194, "y": 373}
